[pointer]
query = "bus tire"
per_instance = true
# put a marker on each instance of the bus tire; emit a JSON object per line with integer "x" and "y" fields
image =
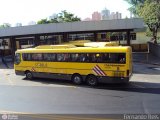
{"x": 77, "y": 79}
{"x": 29, "y": 75}
{"x": 91, "y": 80}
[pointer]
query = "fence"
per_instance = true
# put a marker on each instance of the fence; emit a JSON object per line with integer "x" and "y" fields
{"x": 154, "y": 49}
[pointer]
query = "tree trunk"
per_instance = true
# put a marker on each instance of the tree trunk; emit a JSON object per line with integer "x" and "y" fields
{"x": 155, "y": 36}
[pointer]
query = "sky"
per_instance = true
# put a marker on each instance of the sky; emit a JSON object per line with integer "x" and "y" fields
{"x": 25, "y": 11}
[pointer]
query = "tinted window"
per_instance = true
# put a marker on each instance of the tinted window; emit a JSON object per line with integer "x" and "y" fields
{"x": 49, "y": 57}
{"x": 37, "y": 57}
{"x": 76, "y": 57}
{"x": 17, "y": 58}
{"x": 64, "y": 57}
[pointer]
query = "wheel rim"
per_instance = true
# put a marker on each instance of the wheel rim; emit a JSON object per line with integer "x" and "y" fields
{"x": 92, "y": 81}
{"x": 77, "y": 80}
{"x": 29, "y": 75}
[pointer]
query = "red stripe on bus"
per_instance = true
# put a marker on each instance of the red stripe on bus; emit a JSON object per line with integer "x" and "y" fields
{"x": 103, "y": 73}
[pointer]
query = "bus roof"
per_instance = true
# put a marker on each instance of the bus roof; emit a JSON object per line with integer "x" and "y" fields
{"x": 88, "y": 43}
{"x": 100, "y": 44}
{"x": 77, "y": 49}
{"x": 55, "y": 46}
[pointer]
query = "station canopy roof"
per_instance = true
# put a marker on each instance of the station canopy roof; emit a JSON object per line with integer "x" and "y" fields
{"x": 103, "y": 25}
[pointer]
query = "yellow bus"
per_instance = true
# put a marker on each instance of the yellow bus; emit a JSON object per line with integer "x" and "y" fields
{"x": 92, "y": 65}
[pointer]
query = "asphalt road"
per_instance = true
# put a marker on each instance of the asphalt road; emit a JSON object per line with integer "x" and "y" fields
{"x": 46, "y": 96}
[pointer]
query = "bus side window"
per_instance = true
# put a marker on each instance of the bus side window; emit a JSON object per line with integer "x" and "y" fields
{"x": 49, "y": 57}
{"x": 113, "y": 58}
{"x": 99, "y": 57}
{"x": 66, "y": 57}
{"x": 82, "y": 57}
{"x": 93, "y": 57}
{"x": 37, "y": 57}
{"x": 88, "y": 57}
{"x": 52, "y": 56}
{"x": 59, "y": 57}
{"x": 24, "y": 56}
{"x": 74, "y": 57}
{"x": 46, "y": 57}
{"x": 105, "y": 57}
{"x": 122, "y": 58}
{"x": 29, "y": 56}
{"x": 33, "y": 56}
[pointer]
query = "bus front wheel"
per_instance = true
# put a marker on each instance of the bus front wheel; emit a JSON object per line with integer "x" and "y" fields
{"x": 29, "y": 75}
{"x": 91, "y": 80}
{"x": 77, "y": 79}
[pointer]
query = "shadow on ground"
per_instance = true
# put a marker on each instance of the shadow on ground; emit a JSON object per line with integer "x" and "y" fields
{"x": 130, "y": 87}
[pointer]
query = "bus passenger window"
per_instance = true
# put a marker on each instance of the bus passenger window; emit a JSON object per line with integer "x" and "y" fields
{"x": 37, "y": 57}
{"x": 113, "y": 58}
{"x": 88, "y": 58}
{"x": 46, "y": 57}
{"x": 66, "y": 57}
{"x": 29, "y": 56}
{"x": 121, "y": 58}
{"x": 49, "y": 57}
{"x": 98, "y": 57}
{"x": 60, "y": 57}
{"x": 24, "y": 56}
{"x": 52, "y": 56}
{"x": 74, "y": 57}
{"x": 105, "y": 57}
{"x": 82, "y": 57}
{"x": 93, "y": 57}
{"x": 63, "y": 57}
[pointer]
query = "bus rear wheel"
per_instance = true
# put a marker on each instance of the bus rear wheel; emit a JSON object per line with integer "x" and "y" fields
{"x": 77, "y": 79}
{"x": 91, "y": 80}
{"x": 29, "y": 75}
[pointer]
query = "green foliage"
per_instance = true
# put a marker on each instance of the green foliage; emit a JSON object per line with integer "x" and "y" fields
{"x": 148, "y": 33}
{"x": 134, "y": 4}
{"x": 43, "y": 21}
{"x": 5, "y": 25}
{"x": 64, "y": 16}
{"x": 150, "y": 12}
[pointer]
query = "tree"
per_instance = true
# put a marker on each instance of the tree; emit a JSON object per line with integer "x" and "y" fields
{"x": 63, "y": 16}
{"x": 5, "y": 25}
{"x": 43, "y": 21}
{"x": 150, "y": 12}
{"x": 134, "y": 4}
{"x": 53, "y": 20}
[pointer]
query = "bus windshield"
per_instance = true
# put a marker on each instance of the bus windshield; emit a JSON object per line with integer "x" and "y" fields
{"x": 17, "y": 58}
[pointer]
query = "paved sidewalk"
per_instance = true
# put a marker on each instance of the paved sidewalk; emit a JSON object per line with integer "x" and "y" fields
{"x": 147, "y": 58}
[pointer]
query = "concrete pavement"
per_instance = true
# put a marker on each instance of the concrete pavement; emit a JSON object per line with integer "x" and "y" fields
{"x": 140, "y": 96}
